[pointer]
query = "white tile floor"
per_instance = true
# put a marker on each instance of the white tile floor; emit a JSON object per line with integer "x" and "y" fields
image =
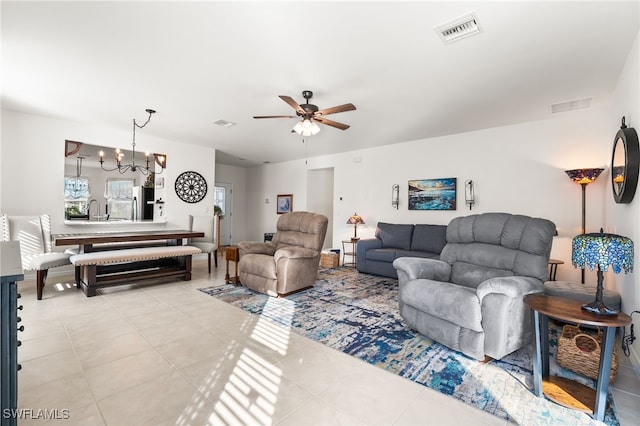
{"x": 168, "y": 354}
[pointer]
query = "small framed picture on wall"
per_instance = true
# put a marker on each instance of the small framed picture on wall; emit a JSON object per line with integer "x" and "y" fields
{"x": 284, "y": 204}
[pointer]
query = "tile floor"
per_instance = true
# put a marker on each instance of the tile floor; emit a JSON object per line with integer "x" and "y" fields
{"x": 167, "y": 354}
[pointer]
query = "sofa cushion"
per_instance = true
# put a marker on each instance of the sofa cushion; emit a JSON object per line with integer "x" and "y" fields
{"x": 429, "y": 238}
{"x": 421, "y": 254}
{"x": 381, "y": 255}
{"x": 395, "y": 235}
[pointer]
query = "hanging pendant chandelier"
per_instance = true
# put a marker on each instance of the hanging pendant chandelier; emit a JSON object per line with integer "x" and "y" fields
{"x": 123, "y": 168}
{"x": 77, "y": 186}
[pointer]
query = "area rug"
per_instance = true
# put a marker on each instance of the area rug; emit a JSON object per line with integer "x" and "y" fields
{"x": 358, "y": 314}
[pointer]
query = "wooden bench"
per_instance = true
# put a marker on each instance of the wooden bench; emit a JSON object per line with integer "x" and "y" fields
{"x": 114, "y": 267}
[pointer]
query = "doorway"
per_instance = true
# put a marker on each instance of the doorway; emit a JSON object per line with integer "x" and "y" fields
{"x": 223, "y": 198}
{"x": 320, "y": 197}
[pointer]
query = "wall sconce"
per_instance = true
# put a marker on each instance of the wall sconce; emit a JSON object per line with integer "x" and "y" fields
{"x": 395, "y": 196}
{"x": 469, "y": 195}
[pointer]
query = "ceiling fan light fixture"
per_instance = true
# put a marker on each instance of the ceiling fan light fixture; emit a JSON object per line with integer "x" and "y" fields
{"x": 314, "y": 128}
{"x": 306, "y": 127}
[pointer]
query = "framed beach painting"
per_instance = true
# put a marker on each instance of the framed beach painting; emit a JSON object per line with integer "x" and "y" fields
{"x": 432, "y": 194}
{"x": 285, "y": 203}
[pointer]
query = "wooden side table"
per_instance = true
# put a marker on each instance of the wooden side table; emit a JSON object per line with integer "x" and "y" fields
{"x": 232, "y": 253}
{"x": 558, "y": 389}
{"x": 349, "y": 249}
{"x": 553, "y": 268}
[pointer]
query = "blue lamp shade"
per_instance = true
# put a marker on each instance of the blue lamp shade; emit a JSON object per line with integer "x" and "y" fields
{"x": 599, "y": 250}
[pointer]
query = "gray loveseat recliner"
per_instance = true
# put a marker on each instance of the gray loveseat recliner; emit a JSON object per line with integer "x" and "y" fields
{"x": 376, "y": 255}
{"x": 289, "y": 262}
{"x": 471, "y": 300}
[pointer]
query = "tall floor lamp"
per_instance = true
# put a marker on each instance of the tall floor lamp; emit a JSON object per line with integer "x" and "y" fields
{"x": 584, "y": 177}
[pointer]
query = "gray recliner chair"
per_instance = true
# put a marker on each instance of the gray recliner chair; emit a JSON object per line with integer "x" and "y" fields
{"x": 289, "y": 262}
{"x": 471, "y": 299}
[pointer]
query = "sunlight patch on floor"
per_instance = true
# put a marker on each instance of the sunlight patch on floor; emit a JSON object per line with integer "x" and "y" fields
{"x": 251, "y": 390}
{"x": 271, "y": 335}
{"x": 63, "y": 286}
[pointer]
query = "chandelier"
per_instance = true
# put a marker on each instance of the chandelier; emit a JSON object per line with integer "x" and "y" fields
{"x": 122, "y": 168}
{"x": 77, "y": 186}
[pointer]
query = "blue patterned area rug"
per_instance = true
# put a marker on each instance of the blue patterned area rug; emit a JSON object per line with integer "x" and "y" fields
{"x": 358, "y": 314}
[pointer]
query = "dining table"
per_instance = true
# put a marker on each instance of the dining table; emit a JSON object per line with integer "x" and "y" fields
{"x": 94, "y": 241}
{"x": 103, "y": 259}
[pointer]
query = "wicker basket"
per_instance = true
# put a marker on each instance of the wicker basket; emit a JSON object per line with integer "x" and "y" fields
{"x": 329, "y": 260}
{"x": 580, "y": 352}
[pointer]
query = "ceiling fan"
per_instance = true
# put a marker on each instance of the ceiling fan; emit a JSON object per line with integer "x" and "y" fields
{"x": 311, "y": 114}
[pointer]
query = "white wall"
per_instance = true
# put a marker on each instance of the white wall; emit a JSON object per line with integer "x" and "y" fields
{"x": 32, "y": 173}
{"x": 624, "y": 219}
{"x": 516, "y": 169}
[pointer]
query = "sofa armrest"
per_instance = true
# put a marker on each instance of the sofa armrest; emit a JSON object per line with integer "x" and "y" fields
{"x": 252, "y": 247}
{"x": 295, "y": 252}
{"x": 513, "y": 287}
{"x": 413, "y": 268}
{"x": 367, "y": 244}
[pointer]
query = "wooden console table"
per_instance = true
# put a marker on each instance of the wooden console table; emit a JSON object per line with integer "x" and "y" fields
{"x": 564, "y": 391}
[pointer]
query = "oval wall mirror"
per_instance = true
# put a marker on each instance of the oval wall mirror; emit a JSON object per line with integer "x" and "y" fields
{"x": 625, "y": 160}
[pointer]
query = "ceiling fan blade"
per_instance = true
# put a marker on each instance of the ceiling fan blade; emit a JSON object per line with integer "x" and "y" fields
{"x": 335, "y": 109}
{"x": 332, "y": 123}
{"x": 274, "y": 116}
{"x": 294, "y": 104}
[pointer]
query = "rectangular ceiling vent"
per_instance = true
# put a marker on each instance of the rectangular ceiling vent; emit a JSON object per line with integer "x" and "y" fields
{"x": 462, "y": 27}
{"x": 571, "y": 105}
{"x": 224, "y": 123}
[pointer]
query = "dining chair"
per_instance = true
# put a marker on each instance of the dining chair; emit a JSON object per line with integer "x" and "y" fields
{"x": 210, "y": 242}
{"x": 36, "y": 245}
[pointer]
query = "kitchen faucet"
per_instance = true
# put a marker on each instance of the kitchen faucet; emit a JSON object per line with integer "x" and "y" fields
{"x": 89, "y": 207}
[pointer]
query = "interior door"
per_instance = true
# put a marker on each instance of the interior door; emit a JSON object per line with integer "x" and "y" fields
{"x": 223, "y": 199}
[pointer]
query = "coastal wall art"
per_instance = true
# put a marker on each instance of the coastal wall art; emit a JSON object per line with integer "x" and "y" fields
{"x": 432, "y": 194}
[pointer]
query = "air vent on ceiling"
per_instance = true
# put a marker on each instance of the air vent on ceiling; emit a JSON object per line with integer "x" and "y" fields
{"x": 571, "y": 105}
{"x": 224, "y": 123}
{"x": 462, "y": 27}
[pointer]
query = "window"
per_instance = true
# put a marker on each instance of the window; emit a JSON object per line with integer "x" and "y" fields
{"x": 219, "y": 198}
{"x": 119, "y": 195}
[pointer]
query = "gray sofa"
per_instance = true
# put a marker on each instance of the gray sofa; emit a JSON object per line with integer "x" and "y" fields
{"x": 376, "y": 255}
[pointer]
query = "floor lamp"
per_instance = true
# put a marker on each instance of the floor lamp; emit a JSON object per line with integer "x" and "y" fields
{"x": 584, "y": 177}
